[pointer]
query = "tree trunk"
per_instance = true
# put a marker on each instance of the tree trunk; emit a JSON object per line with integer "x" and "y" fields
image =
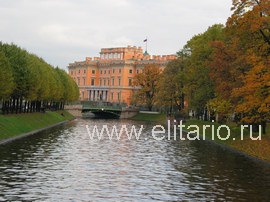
{"x": 35, "y": 106}
{"x": 17, "y": 106}
{"x": 31, "y": 106}
{"x": 182, "y": 100}
{"x": 264, "y": 127}
{"x": 7, "y": 106}
{"x": 20, "y": 107}
{"x": 3, "y": 106}
{"x": 25, "y": 106}
{"x": 13, "y": 105}
{"x": 171, "y": 108}
{"x": 205, "y": 118}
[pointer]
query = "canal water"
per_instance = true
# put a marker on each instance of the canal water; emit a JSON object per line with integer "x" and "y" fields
{"x": 64, "y": 164}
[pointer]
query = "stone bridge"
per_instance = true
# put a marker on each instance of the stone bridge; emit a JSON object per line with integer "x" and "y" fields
{"x": 102, "y": 110}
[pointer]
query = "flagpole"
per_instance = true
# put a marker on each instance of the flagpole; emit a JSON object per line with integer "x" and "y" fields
{"x": 146, "y": 44}
{"x": 146, "y": 41}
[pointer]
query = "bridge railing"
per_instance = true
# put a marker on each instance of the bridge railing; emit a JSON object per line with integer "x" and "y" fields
{"x": 101, "y": 105}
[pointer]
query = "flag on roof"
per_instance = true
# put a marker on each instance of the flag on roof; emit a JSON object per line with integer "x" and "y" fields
{"x": 144, "y": 40}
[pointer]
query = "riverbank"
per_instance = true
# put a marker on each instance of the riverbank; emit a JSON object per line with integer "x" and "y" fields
{"x": 16, "y": 124}
{"x": 259, "y": 149}
{"x": 149, "y": 117}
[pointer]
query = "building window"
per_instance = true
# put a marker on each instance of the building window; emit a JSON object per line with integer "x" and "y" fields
{"x": 119, "y": 96}
{"x": 108, "y": 81}
{"x": 100, "y": 82}
{"x": 93, "y": 71}
{"x": 112, "y": 81}
{"x": 130, "y": 71}
{"x": 83, "y": 95}
{"x": 100, "y": 71}
{"x": 113, "y": 71}
{"x": 109, "y": 71}
{"x": 104, "y": 82}
{"x": 138, "y": 71}
{"x": 78, "y": 81}
{"x": 79, "y": 71}
{"x": 112, "y": 96}
{"x": 119, "y": 81}
{"x": 92, "y": 82}
{"x": 119, "y": 70}
{"x": 84, "y": 71}
{"x": 84, "y": 81}
{"x": 129, "y": 82}
{"x": 104, "y": 71}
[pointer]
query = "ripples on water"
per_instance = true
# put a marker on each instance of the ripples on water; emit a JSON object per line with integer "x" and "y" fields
{"x": 65, "y": 165}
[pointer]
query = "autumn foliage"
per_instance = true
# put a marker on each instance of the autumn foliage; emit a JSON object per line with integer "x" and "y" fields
{"x": 239, "y": 65}
{"x": 222, "y": 74}
{"x": 226, "y": 70}
{"x": 249, "y": 29}
{"x": 147, "y": 82}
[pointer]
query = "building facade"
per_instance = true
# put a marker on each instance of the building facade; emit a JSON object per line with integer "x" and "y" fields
{"x": 109, "y": 77}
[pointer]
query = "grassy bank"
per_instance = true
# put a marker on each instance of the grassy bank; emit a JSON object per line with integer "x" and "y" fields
{"x": 149, "y": 117}
{"x": 16, "y": 124}
{"x": 256, "y": 148}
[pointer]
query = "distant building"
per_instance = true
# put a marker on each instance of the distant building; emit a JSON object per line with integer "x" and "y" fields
{"x": 109, "y": 77}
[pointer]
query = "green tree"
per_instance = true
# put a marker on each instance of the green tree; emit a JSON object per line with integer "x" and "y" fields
{"x": 170, "y": 86}
{"x": 31, "y": 83}
{"x": 198, "y": 87}
{"x": 23, "y": 77}
{"x": 21, "y": 72}
{"x": 6, "y": 77}
{"x": 70, "y": 91}
{"x": 73, "y": 89}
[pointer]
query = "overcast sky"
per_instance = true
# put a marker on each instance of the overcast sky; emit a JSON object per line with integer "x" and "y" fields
{"x": 64, "y": 31}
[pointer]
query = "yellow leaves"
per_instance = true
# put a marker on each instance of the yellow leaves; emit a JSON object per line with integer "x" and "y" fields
{"x": 147, "y": 81}
{"x": 250, "y": 23}
{"x": 254, "y": 93}
{"x": 219, "y": 105}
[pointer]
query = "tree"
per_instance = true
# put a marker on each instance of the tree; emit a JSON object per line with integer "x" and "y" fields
{"x": 147, "y": 82}
{"x": 224, "y": 73}
{"x": 30, "y": 82}
{"x": 43, "y": 77}
{"x": 73, "y": 89}
{"x": 249, "y": 29}
{"x": 22, "y": 74}
{"x": 219, "y": 107}
{"x": 6, "y": 77}
{"x": 251, "y": 20}
{"x": 170, "y": 87}
{"x": 69, "y": 87}
{"x": 198, "y": 88}
{"x": 254, "y": 104}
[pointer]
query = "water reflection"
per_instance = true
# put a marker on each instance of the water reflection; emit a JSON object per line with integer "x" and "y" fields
{"x": 65, "y": 165}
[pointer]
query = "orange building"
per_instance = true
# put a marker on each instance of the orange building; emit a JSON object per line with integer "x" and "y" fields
{"x": 109, "y": 77}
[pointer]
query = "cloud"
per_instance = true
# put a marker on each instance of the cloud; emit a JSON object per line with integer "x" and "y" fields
{"x": 62, "y": 31}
